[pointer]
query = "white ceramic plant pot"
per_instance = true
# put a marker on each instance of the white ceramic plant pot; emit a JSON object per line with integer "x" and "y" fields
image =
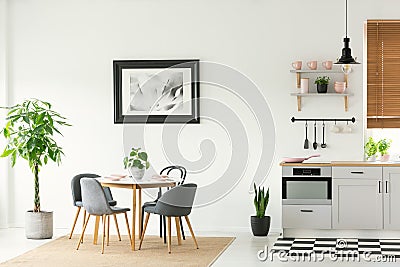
{"x": 372, "y": 158}
{"x": 39, "y": 225}
{"x": 137, "y": 173}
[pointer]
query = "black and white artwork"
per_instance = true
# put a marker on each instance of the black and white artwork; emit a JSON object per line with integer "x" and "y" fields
{"x": 162, "y": 91}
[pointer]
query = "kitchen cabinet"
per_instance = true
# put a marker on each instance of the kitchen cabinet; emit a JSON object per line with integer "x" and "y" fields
{"x": 357, "y": 201}
{"x": 391, "y": 197}
{"x": 306, "y": 216}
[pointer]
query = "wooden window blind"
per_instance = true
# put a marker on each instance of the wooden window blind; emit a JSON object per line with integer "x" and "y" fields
{"x": 383, "y": 73}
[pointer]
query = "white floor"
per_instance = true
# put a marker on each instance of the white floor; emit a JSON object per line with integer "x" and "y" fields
{"x": 242, "y": 252}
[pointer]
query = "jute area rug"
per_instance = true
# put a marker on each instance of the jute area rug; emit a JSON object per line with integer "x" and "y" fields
{"x": 62, "y": 252}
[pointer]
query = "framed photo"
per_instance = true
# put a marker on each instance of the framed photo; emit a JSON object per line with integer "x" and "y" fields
{"x": 156, "y": 91}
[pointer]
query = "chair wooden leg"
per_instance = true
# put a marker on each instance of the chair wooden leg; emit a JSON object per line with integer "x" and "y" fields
{"x": 84, "y": 219}
{"x": 144, "y": 229}
{"x": 191, "y": 231}
{"x": 183, "y": 232}
{"x": 96, "y": 230}
{"x": 127, "y": 226}
{"x": 76, "y": 218}
{"x": 108, "y": 229}
{"x": 83, "y": 232}
{"x": 178, "y": 231}
{"x": 104, "y": 234}
{"x": 116, "y": 226}
{"x": 169, "y": 234}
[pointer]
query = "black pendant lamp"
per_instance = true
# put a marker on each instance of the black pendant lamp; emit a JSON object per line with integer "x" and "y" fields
{"x": 346, "y": 57}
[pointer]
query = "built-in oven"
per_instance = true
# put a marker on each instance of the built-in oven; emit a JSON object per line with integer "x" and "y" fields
{"x": 306, "y": 185}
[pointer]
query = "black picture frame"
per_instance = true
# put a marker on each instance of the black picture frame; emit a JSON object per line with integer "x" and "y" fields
{"x": 192, "y": 64}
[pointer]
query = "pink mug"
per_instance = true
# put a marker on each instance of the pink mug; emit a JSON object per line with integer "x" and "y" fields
{"x": 312, "y": 65}
{"x": 327, "y": 65}
{"x": 297, "y": 65}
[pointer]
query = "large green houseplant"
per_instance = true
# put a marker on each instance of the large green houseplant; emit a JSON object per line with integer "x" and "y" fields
{"x": 29, "y": 130}
{"x": 260, "y": 223}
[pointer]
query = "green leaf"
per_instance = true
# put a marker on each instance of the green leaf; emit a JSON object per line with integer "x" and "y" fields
{"x": 137, "y": 163}
{"x": 133, "y": 153}
{"x": 7, "y": 152}
{"x": 147, "y": 164}
{"x": 143, "y": 156}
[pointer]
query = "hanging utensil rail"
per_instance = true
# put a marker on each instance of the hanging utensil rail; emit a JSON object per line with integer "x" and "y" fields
{"x": 353, "y": 120}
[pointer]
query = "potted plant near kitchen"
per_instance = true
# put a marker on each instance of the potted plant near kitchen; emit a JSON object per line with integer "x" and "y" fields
{"x": 322, "y": 84}
{"x": 137, "y": 162}
{"x": 260, "y": 223}
{"x": 29, "y": 131}
{"x": 371, "y": 149}
{"x": 383, "y": 147}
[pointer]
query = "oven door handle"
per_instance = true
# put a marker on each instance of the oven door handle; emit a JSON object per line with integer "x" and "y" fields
{"x": 357, "y": 172}
{"x": 306, "y": 210}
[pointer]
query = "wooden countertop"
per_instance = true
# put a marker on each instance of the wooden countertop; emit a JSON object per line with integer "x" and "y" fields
{"x": 345, "y": 164}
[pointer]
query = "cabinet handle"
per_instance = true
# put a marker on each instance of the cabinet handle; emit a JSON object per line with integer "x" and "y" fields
{"x": 386, "y": 187}
{"x": 306, "y": 210}
{"x": 379, "y": 187}
{"x": 359, "y": 172}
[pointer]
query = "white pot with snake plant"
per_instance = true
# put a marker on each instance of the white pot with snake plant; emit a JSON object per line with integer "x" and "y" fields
{"x": 137, "y": 163}
{"x": 29, "y": 130}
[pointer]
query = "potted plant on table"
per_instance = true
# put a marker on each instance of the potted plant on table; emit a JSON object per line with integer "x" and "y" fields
{"x": 137, "y": 162}
{"x": 260, "y": 223}
{"x": 371, "y": 149}
{"x": 322, "y": 84}
{"x": 29, "y": 131}
{"x": 383, "y": 147}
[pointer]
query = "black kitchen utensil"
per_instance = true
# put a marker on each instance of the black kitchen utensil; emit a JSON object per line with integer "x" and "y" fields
{"x": 315, "y": 144}
{"x": 306, "y": 142}
{"x": 323, "y": 145}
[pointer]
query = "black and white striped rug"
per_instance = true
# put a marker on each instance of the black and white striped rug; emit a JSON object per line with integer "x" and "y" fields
{"x": 339, "y": 247}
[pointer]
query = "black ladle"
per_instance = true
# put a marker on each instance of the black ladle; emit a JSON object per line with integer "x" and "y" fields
{"x": 323, "y": 145}
{"x": 315, "y": 144}
{"x": 306, "y": 142}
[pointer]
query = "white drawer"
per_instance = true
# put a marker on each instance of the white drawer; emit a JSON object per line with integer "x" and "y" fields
{"x": 306, "y": 216}
{"x": 357, "y": 172}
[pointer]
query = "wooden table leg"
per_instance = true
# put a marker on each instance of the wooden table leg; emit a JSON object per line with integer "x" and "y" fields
{"x": 140, "y": 211}
{"x": 96, "y": 230}
{"x": 133, "y": 217}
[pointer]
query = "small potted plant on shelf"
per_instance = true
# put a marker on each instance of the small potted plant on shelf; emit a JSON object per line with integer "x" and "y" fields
{"x": 30, "y": 127}
{"x": 371, "y": 149}
{"x": 322, "y": 84}
{"x": 260, "y": 223}
{"x": 383, "y": 147}
{"x": 137, "y": 162}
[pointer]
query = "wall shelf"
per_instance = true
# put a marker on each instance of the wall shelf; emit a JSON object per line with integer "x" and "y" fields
{"x": 344, "y": 95}
{"x": 299, "y": 72}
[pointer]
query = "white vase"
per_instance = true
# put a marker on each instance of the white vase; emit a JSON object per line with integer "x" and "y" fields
{"x": 137, "y": 173}
{"x": 371, "y": 158}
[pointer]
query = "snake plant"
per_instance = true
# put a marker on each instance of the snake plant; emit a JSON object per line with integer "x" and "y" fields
{"x": 261, "y": 200}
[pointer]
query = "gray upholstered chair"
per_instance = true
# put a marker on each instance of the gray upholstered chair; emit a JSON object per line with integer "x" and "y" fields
{"x": 95, "y": 202}
{"x": 176, "y": 202}
{"x": 77, "y": 199}
{"x": 166, "y": 171}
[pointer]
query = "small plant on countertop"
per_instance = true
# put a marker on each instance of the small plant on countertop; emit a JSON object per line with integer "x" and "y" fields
{"x": 261, "y": 200}
{"x": 370, "y": 147}
{"x": 322, "y": 80}
{"x": 137, "y": 158}
{"x": 383, "y": 146}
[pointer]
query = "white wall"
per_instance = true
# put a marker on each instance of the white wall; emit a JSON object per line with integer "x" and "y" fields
{"x": 4, "y": 192}
{"x": 62, "y": 51}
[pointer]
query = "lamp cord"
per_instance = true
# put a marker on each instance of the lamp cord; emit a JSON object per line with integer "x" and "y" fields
{"x": 346, "y": 18}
